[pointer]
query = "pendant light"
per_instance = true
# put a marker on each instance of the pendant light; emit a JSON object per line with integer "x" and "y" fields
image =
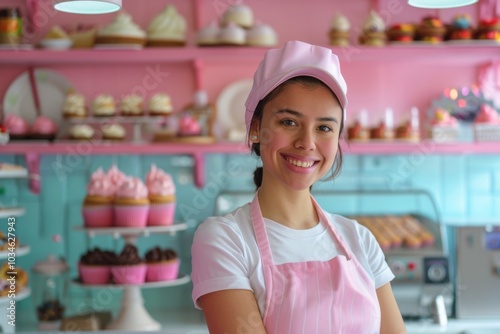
{"x": 440, "y": 3}
{"x": 88, "y": 6}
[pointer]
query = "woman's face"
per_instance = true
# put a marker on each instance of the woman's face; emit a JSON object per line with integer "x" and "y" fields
{"x": 298, "y": 135}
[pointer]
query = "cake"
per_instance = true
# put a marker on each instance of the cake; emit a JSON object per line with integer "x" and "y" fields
{"x": 443, "y": 127}
{"x": 373, "y": 31}
{"x": 43, "y": 128}
{"x": 113, "y": 132}
{"x": 488, "y": 30}
{"x": 131, "y": 204}
{"x": 83, "y": 36}
{"x": 261, "y": 35}
{"x": 81, "y": 132}
{"x": 358, "y": 131}
{"x": 167, "y": 29}
{"x": 339, "y": 31}
{"x": 161, "y": 192}
{"x": 74, "y": 106}
{"x": 209, "y": 35}
{"x": 487, "y": 124}
{"x": 401, "y": 33}
{"x": 232, "y": 34}
{"x": 104, "y": 106}
{"x": 431, "y": 30}
{"x": 160, "y": 104}
{"x": 122, "y": 30}
{"x": 132, "y": 105}
{"x": 460, "y": 28}
{"x": 97, "y": 208}
{"x": 385, "y": 128}
{"x": 409, "y": 130}
{"x": 129, "y": 267}
{"x": 240, "y": 15}
{"x": 94, "y": 267}
{"x": 17, "y": 127}
{"x": 162, "y": 265}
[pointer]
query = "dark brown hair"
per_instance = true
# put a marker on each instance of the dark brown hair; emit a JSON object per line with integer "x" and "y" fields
{"x": 257, "y": 117}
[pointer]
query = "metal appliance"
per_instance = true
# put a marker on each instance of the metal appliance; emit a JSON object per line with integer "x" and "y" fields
{"x": 478, "y": 272}
{"x": 421, "y": 274}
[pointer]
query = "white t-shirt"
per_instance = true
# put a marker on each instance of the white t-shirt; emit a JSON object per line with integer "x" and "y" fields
{"x": 225, "y": 253}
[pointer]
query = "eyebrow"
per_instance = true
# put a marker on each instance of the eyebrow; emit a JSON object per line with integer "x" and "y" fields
{"x": 300, "y": 115}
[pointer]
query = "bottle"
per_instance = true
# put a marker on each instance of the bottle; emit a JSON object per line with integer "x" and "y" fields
{"x": 10, "y": 26}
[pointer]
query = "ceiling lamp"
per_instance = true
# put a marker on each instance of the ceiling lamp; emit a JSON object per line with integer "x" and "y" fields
{"x": 88, "y": 6}
{"x": 440, "y": 3}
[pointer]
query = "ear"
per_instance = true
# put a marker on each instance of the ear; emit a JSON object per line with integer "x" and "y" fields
{"x": 254, "y": 128}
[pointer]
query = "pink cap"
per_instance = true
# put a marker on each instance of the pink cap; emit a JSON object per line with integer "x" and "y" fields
{"x": 296, "y": 59}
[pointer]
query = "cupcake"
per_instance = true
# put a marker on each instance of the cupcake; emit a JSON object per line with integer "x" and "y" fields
{"x": 162, "y": 265}
{"x": 161, "y": 192}
{"x": 129, "y": 268}
{"x": 409, "y": 130}
{"x": 104, "y": 106}
{"x": 81, "y": 132}
{"x": 261, "y": 35}
{"x": 431, "y": 30}
{"x": 83, "y": 36}
{"x": 116, "y": 177}
{"x": 132, "y": 105}
{"x": 74, "y": 106}
{"x": 167, "y": 29}
{"x": 488, "y": 30}
{"x": 131, "y": 205}
{"x": 460, "y": 28}
{"x": 17, "y": 127}
{"x": 373, "y": 31}
{"x": 160, "y": 104}
{"x": 240, "y": 15}
{"x": 339, "y": 31}
{"x": 113, "y": 132}
{"x": 122, "y": 30}
{"x": 401, "y": 33}
{"x": 189, "y": 126}
{"x": 232, "y": 35}
{"x": 94, "y": 267}
{"x": 209, "y": 35}
{"x": 97, "y": 208}
{"x": 43, "y": 128}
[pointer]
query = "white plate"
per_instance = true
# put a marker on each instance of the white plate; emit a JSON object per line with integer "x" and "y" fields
{"x": 52, "y": 90}
{"x": 56, "y": 44}
{"x": 231, "y": 109}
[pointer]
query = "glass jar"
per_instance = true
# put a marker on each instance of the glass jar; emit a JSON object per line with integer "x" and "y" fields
{"x": 10, "y": 26}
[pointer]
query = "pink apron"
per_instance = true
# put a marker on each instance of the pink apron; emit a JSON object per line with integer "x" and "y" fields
{"x": 324, "y": 297}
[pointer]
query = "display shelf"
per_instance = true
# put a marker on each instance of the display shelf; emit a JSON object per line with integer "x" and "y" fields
{"x": 11, "y": 212}
{"x": 181, "y": 280}
{"x": 20, "y": 251}
{"x": 133, "y": 231}
{"x": 13, "y": 173}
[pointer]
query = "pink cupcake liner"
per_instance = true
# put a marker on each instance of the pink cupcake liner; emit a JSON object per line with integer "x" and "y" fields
{"x": 97, "y": 216}
{"x": 163, "y": 271}
{"x": 161, "y": 214}
{"x": 131, "y": 215}
{"x": 90, "y": 274}
{"x": 132, "y": 274}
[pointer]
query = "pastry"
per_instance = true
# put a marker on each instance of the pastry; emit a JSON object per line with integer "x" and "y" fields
{"x": 232, "y": 35}
{"x": 94, "y": 267}
{"x": 167, "y": 29}
{"x": 104, "y": 106}
{"x": 6, "y": 244}
{"x": 188, "y": 126}
{"x": 17, "y": 127}
{"x": 43, "y": 128}
{"x": 430, "y": 30}
{"x": 488, "y": 30}
{"x": 122, "y": 30}
{"x": 240, "y": 15}
{"x": 74, "y": 106}
{"x": 131, "y": 204}
{"x": 357, "y": 131}
{"x": 113, "y": 132}
{"x": 409, "y": 130}
{"x": 443, "y": 127}
{"x": 20, "y": 277}
{"x": 162, "y": 265}
{"x": 373, "y": 31}
{"x": 487, "y": 124}
{"x": 83, "y": 36}
{"x": 339, "y": 31}
{"x": 460, "y": 28}
{"x": 132, "y": 105}
{"x": 161, "y": 192}
{"x": 261, "y": 35}
{"x": 56, "y": 32}
{"x": 385, "y": 128}
{"x": 401, "y": 33}
{"x": 97, "y": 207}
{"x": 209, "y": 35}
{"x": 81, "y": 132}
{"x": 160, "y": 104}
{"x": 129, "y": 267}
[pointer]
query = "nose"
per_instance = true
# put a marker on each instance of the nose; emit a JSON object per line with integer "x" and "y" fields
{"x": 305, "y": 139}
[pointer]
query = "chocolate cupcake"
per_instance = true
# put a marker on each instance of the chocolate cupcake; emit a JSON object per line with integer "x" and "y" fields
{"x": 129, "y": 267}
{"x": 162, "y": 265}
{"x": 94, "y": 266}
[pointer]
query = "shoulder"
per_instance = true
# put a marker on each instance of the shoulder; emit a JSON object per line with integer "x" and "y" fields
{"x": 353, "y": 232}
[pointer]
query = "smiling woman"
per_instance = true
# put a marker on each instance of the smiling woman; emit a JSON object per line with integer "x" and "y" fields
{"x": 281, "y": 264}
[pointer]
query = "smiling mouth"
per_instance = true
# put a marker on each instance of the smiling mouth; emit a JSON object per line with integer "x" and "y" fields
{"x": 299, "y": 163}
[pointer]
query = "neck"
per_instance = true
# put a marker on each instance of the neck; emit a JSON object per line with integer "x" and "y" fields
{"x": 293, "y": 209}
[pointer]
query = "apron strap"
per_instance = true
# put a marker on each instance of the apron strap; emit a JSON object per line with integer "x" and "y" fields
{"x": 260, "y": 232}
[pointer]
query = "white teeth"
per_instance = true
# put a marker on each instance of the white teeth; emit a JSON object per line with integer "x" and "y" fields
{"x": 298, "y": 163}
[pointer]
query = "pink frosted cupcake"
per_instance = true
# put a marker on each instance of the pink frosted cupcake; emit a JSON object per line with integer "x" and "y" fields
{"x": 116, "y": 177}
{"x": 162, "y": 265}
{"x": 129, "y": 268}
{"x": 131, "y": 205}
{"x": 17, "y": 127}
{"x": 161, "y": 190}
{"x": 43, "y": 128}
{"x": 94, "y": 266}
{"x": 97, "y": 209}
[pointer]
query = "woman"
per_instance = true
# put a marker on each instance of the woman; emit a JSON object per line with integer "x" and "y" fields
{"x": 280, "y": 264}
